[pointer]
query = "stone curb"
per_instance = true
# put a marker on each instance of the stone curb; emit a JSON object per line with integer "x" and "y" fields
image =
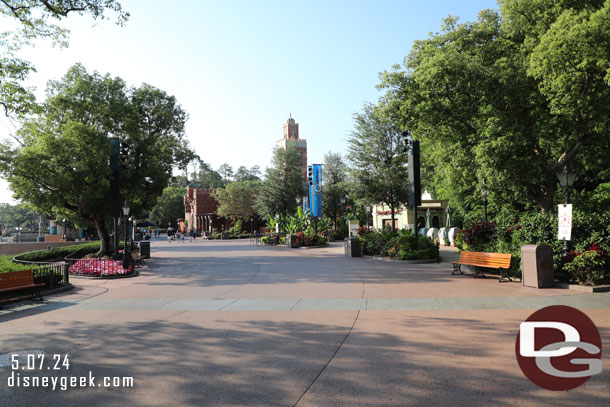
{"x": 379, "y": 258}
{"x": 57, "y": 290}
{"x": 585, "y": 288}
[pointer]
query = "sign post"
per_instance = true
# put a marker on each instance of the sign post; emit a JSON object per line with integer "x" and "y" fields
{"x": 565, "y": 222}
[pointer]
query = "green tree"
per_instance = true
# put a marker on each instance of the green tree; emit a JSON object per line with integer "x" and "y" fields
{"x": 282, "y": 184}
{"x": 245, "y": 174}
{"x": 34, "y": 18}
{"x": 226, "y": 171}
{"x": 168, "y": 207}
{"x": 236, "y": 200}
{"x": 493, "y": 100}
{"x": 60, "y": 164}
{"x": 334, "y": 185}
{"x": 206, "y": 177}
{"x": 379, "y": 170}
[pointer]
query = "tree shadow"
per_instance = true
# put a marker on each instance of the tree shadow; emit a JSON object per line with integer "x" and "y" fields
{"x": 200, "y": 359}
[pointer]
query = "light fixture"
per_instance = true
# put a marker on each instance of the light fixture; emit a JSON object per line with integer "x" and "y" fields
{"x": 126, "y": 209}
{"x": 566, "y": 178}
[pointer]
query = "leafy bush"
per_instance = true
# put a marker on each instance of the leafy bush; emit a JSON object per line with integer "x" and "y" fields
{"x": 58, "y": 252}
{"x": 480, "y": 235}
{"x": 236, "y": 229}
{"x": 400, "y": 245}
{"x": 6, "y": 265}
{"x": 590, "y": 267}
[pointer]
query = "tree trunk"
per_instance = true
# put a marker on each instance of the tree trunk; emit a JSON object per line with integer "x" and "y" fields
{"x": 393, "y": 220}
{"x": 106, "y": 248}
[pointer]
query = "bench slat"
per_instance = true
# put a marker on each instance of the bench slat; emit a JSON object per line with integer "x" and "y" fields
{"x": 18, "y": 280}
{"x": 482, "y": 259}
{"x": 2, "y": 290}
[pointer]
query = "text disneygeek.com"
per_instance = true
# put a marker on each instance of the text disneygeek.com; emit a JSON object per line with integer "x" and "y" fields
{"x": 55, "y": 362}
{"x": 67, "y": 382}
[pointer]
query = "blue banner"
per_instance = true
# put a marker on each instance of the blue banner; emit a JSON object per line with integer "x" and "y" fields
{"x": 315, "y": 191}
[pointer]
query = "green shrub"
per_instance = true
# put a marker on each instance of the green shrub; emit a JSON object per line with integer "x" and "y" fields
{"x": 236, "y": 229}
{"x": 264, "y": 239}
{"x": 590, "y": 267}
{"x": 58, "y": 252}
{"x": 400, "y": 245}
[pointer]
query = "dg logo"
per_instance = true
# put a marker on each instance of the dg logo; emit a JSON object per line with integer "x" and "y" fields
{"x": 559, "y": 348}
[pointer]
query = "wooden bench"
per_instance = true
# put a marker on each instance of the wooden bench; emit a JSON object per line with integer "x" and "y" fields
{"x": 19, "y": 280}
{"x": 499, "y": 261}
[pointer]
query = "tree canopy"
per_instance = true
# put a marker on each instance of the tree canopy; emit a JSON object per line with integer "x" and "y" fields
{"x": 236, "y": 200}
{"x": 168, "y": 207}
{"x": 334, "y": 185}
{"x": 37, "y": 19}
{"x": 510, "y": 99}
{"x": 60, "y": 161}
{"x": 379, "y": 162}
{"x": 282, "y": 184}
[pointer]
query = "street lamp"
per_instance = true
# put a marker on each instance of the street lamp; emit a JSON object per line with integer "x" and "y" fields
{"x": 485, "y": 193}
{"x": 566, "y": 179}
{"x": 369, "y": 210}
{"x": 131, "y": 231}
{"x": 299, "y": 200}
{"x": 64, "y": 236}
{"x": 126, "y": 255}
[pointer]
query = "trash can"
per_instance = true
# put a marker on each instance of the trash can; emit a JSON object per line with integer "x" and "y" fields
{"x": 352, "y": 247}
{"x": 291, "y": 241}
{"x": 537, "y": 266}
{"x": 144, "y": 246}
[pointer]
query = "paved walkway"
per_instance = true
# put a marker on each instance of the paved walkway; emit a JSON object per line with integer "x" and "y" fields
{"x": 225, "y": 323}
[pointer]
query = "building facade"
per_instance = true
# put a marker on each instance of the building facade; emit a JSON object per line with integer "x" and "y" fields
{"x": 200, "y": 209}
{"x": 404, "y": 217}
{"x": 291, "y": 136}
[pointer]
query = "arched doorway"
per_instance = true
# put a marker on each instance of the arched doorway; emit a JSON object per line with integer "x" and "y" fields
{"x": 436, "y": 222}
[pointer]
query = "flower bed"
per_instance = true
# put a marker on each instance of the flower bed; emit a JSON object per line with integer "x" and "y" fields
{"x": 99, "y": 268}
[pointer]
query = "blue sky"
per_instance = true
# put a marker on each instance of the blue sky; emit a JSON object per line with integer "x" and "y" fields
{"x": 239, "y": 68}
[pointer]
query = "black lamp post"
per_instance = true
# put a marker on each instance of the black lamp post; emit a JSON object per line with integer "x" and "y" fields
{"x": 126, "y": 254}
{"x": 566, "y": 179}
{"x": 131, "y": 231}
{"x": 65, "y": 235}
{"x": 485, "y": 193}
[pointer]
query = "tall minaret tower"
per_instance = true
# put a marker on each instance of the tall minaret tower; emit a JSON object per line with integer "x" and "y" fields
{"x": 291, "y": 136}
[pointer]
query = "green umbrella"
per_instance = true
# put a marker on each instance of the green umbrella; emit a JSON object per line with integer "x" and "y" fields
{"x": 449, "y": 222}
{"x": 428, "y": 219}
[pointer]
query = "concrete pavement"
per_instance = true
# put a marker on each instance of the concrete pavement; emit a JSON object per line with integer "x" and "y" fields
{"x": 225, "y": 323}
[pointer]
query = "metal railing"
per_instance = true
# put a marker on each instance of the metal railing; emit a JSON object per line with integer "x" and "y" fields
{"x": 53, "y": 273}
